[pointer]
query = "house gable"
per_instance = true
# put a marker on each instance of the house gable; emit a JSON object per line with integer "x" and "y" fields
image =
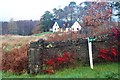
{"x": 55, "y": 27}
{"x": 76, "y": 26}
{"x": 61, "y": 26}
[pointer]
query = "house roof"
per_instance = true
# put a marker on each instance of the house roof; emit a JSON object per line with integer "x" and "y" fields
{"x": 70, "y": 23}
{"x": 63, "y": 24}
{"x": 60, "y": 23}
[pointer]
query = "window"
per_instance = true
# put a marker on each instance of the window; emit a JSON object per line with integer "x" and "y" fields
{"x": 73, "y": 29}
{"x": 77, "y": 28}
{"x": 55, "y": 28}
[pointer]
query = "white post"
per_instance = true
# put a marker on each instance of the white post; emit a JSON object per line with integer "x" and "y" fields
{"x": 90, "y": 53}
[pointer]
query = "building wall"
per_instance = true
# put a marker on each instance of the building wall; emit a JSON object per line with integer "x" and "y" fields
{"x": 56, "y": 27}
{"x": 76, "y": 26}
{"x": 68, "y": 29}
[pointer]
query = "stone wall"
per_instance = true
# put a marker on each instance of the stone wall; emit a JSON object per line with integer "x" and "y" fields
{"x": 41, "y": 49}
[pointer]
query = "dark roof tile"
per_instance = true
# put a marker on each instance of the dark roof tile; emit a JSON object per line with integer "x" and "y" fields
{"x": 63, "y": 24}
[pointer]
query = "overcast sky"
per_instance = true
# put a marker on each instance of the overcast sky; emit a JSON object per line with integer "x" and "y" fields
{"x": 29, "y": 9}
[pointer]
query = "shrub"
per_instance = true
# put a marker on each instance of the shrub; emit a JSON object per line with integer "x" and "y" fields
{"x": 112, "y": 53}
{"x": 108, "y": 54}
{"x": 15, "y": 60}
{"x": 59, "y": 61}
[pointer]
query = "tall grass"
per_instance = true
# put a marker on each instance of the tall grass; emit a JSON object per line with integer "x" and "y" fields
{"x": 109, "y": 70}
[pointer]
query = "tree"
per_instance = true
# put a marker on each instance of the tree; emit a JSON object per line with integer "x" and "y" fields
{"x": 12, "y": 27}
{"x": 72, "y": 7}
{"x": 59, "y": 13}
{"x": 37, "y": 28}
{"x": 46, "y": 21}
{"x": 96, "y": 14}
{"x": 116, "y": 10}
{"x": 69, "y": 12}
{"x": 72, "y": 4}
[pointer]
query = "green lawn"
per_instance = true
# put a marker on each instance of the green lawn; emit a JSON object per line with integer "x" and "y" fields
{"x": 43, "y": 33}
{"x": 109, "y": 70}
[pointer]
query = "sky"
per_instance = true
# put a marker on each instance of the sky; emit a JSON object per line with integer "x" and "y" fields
{"x": 29, "y": 9}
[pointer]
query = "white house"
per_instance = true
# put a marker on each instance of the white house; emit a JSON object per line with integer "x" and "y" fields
{"x": 56, "y": 27}
{"x": 60, "y": 26}
{"x": 68, "y": 29}
{"x": 76, "y": 26}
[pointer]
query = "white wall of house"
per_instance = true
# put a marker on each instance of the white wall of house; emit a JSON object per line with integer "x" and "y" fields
{"x": 61, "y": 30}
{"x": 76, "y": 26}
{"x": 68, "y": 29}
{"x": 56, "y": 27}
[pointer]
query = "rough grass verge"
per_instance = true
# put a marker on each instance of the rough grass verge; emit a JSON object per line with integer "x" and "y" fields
{"x": 103, "y": 70}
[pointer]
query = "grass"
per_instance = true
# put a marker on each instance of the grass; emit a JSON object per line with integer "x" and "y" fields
{"x": 109, "y": 70}
{"x": 43, "y": 33}
{"x": 16, "y": 41}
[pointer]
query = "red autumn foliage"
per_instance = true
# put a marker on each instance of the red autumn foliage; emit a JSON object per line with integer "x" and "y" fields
{"x": 15, "y": 60}
{"x": 50, "y": 62}
{"x": 62, "y": 36}
{"x": 96, "y": 14}
{"x": 49, "y": 71}
{"x": 108, "y": 54}
{"x": 59, "y": 62}
{"x": 113, "y": 53}
{"x": 103, "y": 51}
{"x": 116, "y": 31}
{"x": 66, "y": 55}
